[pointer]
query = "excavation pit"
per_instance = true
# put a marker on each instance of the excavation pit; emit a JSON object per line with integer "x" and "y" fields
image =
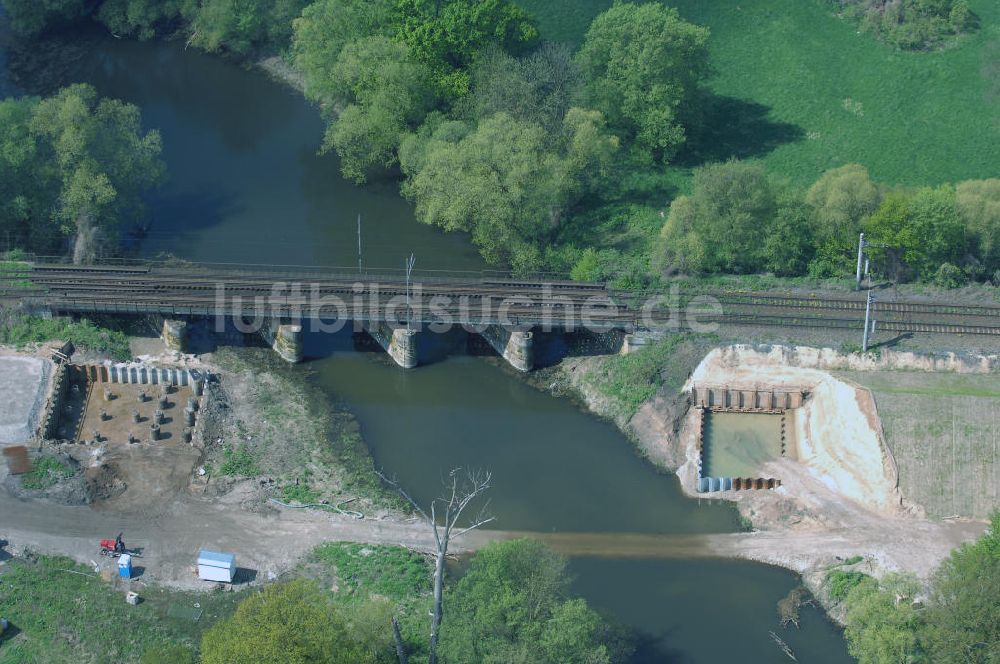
{"x": 93, "y": 410}
{"x": 739, "y": 444}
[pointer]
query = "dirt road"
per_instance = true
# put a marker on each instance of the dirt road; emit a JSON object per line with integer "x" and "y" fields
{"x": 269, "y": 545}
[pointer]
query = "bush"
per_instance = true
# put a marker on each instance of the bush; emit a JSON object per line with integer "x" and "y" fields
{"x": 950, "y": 276}
{"x": 629, "y": 380}
{"x": 298, "y": 623}
{"x": 20, "y": 330}
{"x": 912, "y": 24}
{"x": 840, "y": 582}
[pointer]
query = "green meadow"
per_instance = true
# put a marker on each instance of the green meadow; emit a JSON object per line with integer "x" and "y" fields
{"x": 801, "y": 89}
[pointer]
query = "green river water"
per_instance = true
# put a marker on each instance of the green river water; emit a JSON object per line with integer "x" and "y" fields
{"x": 247, "y": 186}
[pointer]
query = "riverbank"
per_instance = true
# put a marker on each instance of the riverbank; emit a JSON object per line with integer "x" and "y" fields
{"x": 825, "y": 511}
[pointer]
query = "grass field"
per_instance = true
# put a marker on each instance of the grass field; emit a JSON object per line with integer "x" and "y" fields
{"x": 804, "y": 91}
{"x": 944, "y": 432}
{"x": 62, "y": 612}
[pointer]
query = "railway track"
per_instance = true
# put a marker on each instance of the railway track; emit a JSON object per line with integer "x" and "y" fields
{"x": 143, "y": 288}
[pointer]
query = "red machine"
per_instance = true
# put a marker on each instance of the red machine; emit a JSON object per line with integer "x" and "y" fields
{"x": 113, "y": 548}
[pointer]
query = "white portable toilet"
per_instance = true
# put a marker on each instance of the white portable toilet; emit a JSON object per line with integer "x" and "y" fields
{"x": 216, "y": 566}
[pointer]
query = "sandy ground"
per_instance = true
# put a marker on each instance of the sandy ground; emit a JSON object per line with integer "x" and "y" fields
{"x": 842, "y": 491}
{"x": 23, "y": 383}
{"x": 806, "y": 525}
{"x": 268, "y": 545}
{"x": 843, "y": 502}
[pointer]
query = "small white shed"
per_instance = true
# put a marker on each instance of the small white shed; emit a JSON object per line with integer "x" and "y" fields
{"x": 216, "y": 566}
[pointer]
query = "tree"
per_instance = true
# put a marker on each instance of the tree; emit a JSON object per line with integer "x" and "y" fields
{"x": 447, "y": 35}
{"x": 243, "y": 25}
{"x": 26, "y": 194}
{"x": 297, "y": 623}
{"x": 841, "y": 200}
{"x": 30, "y": 17}
{"x": 719, "y": 227}
{"x": 643, "y": 65}
{"x": 386, "y": 94}
{"x": 589, "y": 152}
{"x": 460, "y": 491}
{"x": 882, "y": 621}
{"x": 963, "y": 621}
{"x": 498, "y": 183}
{"x": 324, "y": 29}
{"x": 513, "y": 605}
{"x": 789, "y": 244}
{"x": 142, "y": 17}
{"x": 922, "y": 227}
{"x": 505, "y": 182}
{"x": 104, "y": 162}
{"x": 539, "y": 88}
{"x": 978, "y": 204}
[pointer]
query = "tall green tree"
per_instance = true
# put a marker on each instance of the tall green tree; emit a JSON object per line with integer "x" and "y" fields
{"x": 243, "y": 26}
{"x": 841, "y": 199}
{"x": 298, "y": 623}
{"x": 447, "y": 35}
{"x": 324, "y": 29}
{"x": 103, "y": 161}
{"x": 26, "y": 192}
{"x": 30, "y": 17}
{"x": 386, "y": 93}
{"x": 498, "y": 183}
{"x": 643, "y": 65}
{"x": 882, "y": 623}
{"x": 142, "y": 18}
{"x": 503, "y": 182}
{"x": 721, "y": 225}
{"x": 922, "y": 229}
{"x": 73, "y": 165}
{"x": 978, "y": 203}
{"x": 963, "y": 619}
{"x": 539, "y": 88}
{"x": 513, "y": 605}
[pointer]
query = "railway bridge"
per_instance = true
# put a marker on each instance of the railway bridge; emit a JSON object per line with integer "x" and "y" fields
{"x": 281, "y": 302}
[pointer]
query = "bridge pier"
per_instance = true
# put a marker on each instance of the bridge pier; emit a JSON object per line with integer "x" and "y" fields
{"x": 174, "y": 334}
{"x": 399, "y": 342}
{"x": 515, "y": 346}
{"x": 288, "y": 343}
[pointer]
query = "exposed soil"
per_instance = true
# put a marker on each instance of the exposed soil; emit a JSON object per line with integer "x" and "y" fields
{"x": 837, "y": 499}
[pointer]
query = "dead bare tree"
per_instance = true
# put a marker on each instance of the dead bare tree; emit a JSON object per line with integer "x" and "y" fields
{"x": 460, "y": 489}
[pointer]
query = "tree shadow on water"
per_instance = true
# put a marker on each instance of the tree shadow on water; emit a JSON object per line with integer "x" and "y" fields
{"x": 734, "y": 128}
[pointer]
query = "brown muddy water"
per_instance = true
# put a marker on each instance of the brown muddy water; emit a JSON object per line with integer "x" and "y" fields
{"x": 247, "y": 186}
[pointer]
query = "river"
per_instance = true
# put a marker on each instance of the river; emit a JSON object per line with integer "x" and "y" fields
{"x": 247, "y": 186}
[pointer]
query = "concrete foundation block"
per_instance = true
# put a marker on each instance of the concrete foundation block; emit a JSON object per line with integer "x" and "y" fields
{"x": 403, "y": 347}
{"x": 515, "y": 346}
{"x": 288, "y": 343}
{"x": 174, "y": 334}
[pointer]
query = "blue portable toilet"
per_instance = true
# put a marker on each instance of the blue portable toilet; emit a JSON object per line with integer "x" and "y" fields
{"x": 125, "y": 566}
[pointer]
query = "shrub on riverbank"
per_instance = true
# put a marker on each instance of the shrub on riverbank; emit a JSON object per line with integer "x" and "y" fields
{"x": 628, "y": 381}
{"x": 895, "y": 619}
{"x": 19, "y": 330}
